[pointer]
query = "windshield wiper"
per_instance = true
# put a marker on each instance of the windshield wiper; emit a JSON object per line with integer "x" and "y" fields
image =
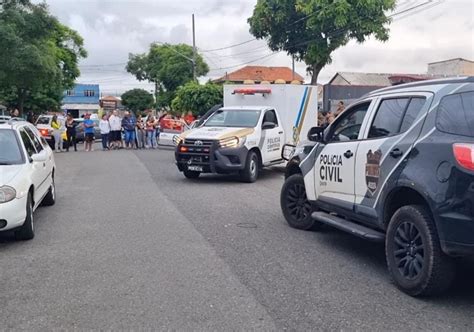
{"x": 4, "y": 163}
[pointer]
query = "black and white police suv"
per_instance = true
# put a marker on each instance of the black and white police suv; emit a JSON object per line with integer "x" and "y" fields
{"x": 397, "y": 166}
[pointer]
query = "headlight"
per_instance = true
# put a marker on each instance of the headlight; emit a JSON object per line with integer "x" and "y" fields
{"x": 177, "y": 140}
{"x": 232, "y": 142}
{"x": 7, "y": 194}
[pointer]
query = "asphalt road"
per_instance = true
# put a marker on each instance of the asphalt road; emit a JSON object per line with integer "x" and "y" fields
{"x": 132, "y": 244}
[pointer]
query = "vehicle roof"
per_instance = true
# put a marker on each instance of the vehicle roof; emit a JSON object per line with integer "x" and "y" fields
{"x": 247, "y": 108}
{"x": 421, "y": 84}
{"x": 15, "y": 124}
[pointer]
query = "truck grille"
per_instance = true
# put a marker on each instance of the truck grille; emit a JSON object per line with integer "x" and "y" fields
{"x": 198, "y": 152}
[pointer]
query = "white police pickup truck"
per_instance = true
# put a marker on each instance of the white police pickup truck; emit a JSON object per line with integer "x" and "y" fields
{"x": 249, "y": 132}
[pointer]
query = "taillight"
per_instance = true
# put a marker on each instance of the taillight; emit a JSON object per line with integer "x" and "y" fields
{"x": 464, "y": 154}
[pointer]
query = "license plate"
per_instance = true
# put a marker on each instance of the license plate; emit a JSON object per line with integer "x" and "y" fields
{"x": 195, "y": 168}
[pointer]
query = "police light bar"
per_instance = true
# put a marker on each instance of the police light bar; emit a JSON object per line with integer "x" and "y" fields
{"x": 252, "y": 91}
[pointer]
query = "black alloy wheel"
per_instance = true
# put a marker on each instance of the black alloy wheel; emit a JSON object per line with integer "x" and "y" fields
{"x": 409, "y": 250}
{"x": 295, "y": 205}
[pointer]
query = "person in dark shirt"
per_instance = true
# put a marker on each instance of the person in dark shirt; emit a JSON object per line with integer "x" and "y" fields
{"x": 71, "y": 132}
{"x": 128, "y": 124}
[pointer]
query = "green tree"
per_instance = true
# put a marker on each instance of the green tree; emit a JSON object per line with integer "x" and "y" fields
{"x": 310, "y": 30}
{"x": 137, "y": 100}
{"x": 197, "y": 98}
{"x": 168, "y": 66}
{"x": 38, "y": 55}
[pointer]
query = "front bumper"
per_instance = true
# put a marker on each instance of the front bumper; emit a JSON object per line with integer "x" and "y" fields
{"x": 211, "y": 157}
{"x": 13, "y": 212}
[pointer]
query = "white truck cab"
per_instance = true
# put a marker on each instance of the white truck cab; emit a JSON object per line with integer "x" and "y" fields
{"x": 249, "y": 132}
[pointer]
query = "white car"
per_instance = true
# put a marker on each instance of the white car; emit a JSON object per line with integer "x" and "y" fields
{"x": 27, "y": 170}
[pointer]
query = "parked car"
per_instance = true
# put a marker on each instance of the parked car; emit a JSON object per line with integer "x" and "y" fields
{"x": 397, "y": 167}
{"x": 43, "y": 123}
{"x": 80, "y": 130}
{"x": 27, "y": 167}
{"x": 4, "y": 118}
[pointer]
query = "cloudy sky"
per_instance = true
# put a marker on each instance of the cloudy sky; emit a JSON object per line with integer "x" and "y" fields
{"x": 114, "y": 28}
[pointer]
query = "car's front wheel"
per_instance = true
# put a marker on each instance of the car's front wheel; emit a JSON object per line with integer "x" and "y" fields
{"x": 191, "y": 174}
{"x": 295, "y": 205}
{"x": 50, "y": 197}
{"x": 414, "y": 257}
{"x": 27, "y": 230}
{"x": 250, "y": 173}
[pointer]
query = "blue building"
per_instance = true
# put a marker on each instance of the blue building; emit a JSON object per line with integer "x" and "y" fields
{"x": 81, "y": 99}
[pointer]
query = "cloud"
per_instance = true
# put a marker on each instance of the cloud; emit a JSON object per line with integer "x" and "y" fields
{"x": 113, "y": 29}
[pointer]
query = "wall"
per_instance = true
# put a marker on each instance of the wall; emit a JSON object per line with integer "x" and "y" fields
{"x": 452, "y": 68}
{"x": 78, "y": 94}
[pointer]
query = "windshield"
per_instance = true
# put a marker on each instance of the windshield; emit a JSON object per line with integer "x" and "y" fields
{"x": 233, "y": 118}
{"x": 43, "y": 120}
{"x": 10, "y": 153}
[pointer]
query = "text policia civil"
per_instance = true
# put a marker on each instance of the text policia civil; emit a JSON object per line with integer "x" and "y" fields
{"x": 330, "y": 168}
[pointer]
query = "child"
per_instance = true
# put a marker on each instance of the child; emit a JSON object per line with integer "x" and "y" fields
{"x": 104, "y": 127}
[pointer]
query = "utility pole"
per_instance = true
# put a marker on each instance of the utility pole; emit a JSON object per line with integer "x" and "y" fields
{"x": 194, "y": 51}
{"x": 293, "y": 66}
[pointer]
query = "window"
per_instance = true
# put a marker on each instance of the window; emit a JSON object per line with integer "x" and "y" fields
{"x": 413, "y": 110}
{"x": 347, "y": 125}
{"x": 456, "y": 114}
{"x": 389, "y": 117}
{"x": 34, "y": 138}
{"x": 395, "y": 116}
{"x": 30, "y": 148}
{"x": 270, "y": 116}
{"x": 89, "y": 93}
{"x": 233, "y": 118}
{"x": 70, "y": 93}
{"x": 11, "y": 153}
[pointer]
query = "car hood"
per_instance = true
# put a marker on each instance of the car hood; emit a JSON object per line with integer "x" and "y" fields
{"x": 216, "y": 132}
{"x": 8, "y": 173}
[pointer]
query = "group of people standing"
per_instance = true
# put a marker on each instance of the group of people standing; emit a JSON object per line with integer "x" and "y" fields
{"x": 325, "y": 119}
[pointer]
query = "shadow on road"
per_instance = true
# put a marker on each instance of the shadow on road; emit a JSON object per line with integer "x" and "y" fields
{"x": 372, "y": 254}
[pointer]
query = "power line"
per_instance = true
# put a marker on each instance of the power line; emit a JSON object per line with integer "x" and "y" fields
{"x": 230, "y": 46}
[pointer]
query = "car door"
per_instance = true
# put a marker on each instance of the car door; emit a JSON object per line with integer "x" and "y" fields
{"x": 334, "y": 171}
{"x": 40, "y": 146}
{"x": 394, "y": 126}
{"x": 273, "y": 137}
{"x": 36, "y": 170}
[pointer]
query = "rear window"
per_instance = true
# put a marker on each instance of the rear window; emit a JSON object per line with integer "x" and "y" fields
{"x": 456, "y": 114}
{"x": 43, "y": 120}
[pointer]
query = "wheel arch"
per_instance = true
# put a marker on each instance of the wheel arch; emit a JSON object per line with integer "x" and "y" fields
{"x": 402, "y": 196}
{"x": 293, "y": 167}
{"x": 259, "y": 155}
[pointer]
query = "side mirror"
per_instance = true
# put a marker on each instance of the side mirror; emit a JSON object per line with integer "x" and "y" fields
{"x": 39, "y": 157}
{"x": 268, "y": 125}
{"x": 287, "y": 151}
{"x": 315, "y": 134}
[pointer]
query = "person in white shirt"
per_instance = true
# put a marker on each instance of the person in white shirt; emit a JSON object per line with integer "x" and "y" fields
{"x": 104, "y": 127}
{"x": 115, "y": 130}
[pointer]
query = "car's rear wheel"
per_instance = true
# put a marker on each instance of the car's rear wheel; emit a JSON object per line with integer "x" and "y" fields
{"x": 414, "y": 257}
{"x": 295, "y": 205}
{"x": 50, "y": 197}
{"x": 250, "y": 172}
{"x": 191, "y": 174}
{"x": 27, "y": 230}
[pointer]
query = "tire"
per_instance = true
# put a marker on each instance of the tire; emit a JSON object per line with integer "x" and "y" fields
{"x": 250, "y": 173}
{"x": 295, "y": 205}
{"x": 50, "y": 197}
{"x": 413, "y": 252}
{"x": 27, "y": 230}
{"x": 191, "y": 174}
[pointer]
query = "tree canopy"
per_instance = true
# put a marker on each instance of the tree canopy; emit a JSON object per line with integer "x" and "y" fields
{"x": 137, "y": 100}
{"x": 197, "y": 98}
{"x": 310, "y": 30}
{"x": 168, "y": 66}
{"x": 38, "y": 56}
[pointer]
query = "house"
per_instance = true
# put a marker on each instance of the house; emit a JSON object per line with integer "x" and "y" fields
{"x": 110, "y": 103}
{"x": 452, "y": 67}
{"x": 81, "y": 99}
{"x": 259, "y": 74}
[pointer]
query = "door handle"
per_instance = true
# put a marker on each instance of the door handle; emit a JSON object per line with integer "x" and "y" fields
{"x": 395, "y": 153}
{"x": 280, "y": 132}
{"x": 348, "y": 154}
